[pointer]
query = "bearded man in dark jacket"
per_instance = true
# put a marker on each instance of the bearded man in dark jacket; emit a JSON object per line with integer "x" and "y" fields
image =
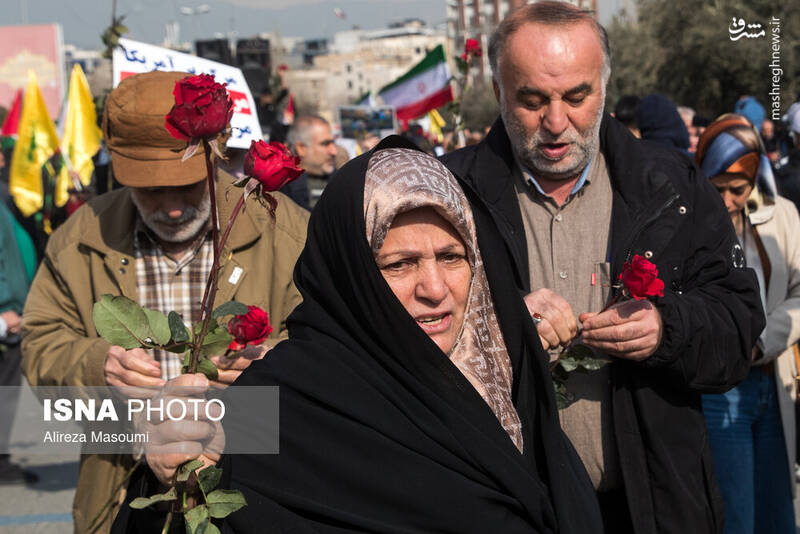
{"x": 576, "y": 196}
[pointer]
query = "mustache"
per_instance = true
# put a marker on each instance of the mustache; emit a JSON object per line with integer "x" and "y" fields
{"x": 189, "y": 213}
{"x": 568, "y": 136}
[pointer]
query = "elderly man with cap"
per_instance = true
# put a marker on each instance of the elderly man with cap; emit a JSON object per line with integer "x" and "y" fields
{"x": 149, "y": 241}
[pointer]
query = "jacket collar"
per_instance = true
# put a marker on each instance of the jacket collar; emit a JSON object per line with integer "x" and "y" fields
{"x": 635, "y": 173}
{"x": 760, "y": 207}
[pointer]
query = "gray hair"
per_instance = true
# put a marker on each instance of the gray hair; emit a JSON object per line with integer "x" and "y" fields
{"x": 300, "y": 132}
{"x": 547, "y": 13}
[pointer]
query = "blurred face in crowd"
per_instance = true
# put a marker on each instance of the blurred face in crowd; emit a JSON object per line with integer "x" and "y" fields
{"x": 551, "y": 92}
{"x": 174, "y": 214}
{"x": 424, "y": 261}
{"x": 694, "y": 138}
{"x": 767, "y": 129}
{"x": 735, "y": 189}
{"x": 318, "y": 157}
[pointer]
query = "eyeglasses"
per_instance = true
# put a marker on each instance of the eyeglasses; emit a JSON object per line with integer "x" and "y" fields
{"x": 735, "y": 191}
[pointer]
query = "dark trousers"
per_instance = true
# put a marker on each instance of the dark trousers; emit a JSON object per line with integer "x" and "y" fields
{"x": 9, "y": 376}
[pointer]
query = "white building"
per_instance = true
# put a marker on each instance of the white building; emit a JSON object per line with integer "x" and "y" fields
{"x": 359, "y": 61}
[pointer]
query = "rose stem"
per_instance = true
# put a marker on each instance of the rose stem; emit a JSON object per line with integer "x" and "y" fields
{"x": 227, "y": 231}
{"x": 611, "y": 302}
{"x": 211, "y": 286}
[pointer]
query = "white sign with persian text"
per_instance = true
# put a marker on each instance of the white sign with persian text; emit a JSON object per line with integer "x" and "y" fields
{"x": 133, "y": 57}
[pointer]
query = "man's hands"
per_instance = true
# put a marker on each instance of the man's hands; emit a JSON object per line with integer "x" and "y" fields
{"x": 135, "y": 367}
{"x": 631, "y": 329}
{"x": 229, "y": 369}
{"x": 174, "y": 442}
{"x": 558, "y": 325}
{"x": 13, "y": 321}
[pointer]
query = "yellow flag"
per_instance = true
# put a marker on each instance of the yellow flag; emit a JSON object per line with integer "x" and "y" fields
{"x": 437, "y": 123}
{"x": 37, "y": 141}
{"x": 81, "y": 138}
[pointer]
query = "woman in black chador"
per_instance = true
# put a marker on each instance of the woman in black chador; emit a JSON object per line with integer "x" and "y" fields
{"x": 414, "y": 391}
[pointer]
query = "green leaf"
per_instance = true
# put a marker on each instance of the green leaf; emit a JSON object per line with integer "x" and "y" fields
{"x": 593, "y": 364}
{"x": 120, "y": 321}
{"x": 568, "y": 363}
{"x": 209, "y": 478}
{"x": 221, "y": 503}
{"x": 229, "y": 308}
{"x": 159, "y": 326}
{"x": 177, "y": 328}
{"x": 580, "y": 351}
{"x": 208, "y": 368}
{"x": 185, "y": 470}
{"x": 216, "y": 341}
{"x": 563, "y": 397}
{"x": 197, "y": 519}
{"x": 581, "y": 358}
{"x": 212, "y": 529}
{"x": 143, "y": 502}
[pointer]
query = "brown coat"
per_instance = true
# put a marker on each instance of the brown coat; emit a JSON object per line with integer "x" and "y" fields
{"x": 93, "y": 254}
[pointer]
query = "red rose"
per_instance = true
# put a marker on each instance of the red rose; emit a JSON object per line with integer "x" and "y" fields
{"x": 283, "y": 67}
{"x": 272, "y": 164}
{"x": 640, "y": 278}
{"x": 249, "y": 329}
{"x": 202, "y": 108}
{"x": 472, "y": 47}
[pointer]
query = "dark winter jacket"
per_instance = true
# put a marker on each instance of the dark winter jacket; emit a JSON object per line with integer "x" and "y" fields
{"x": 664, "y": 209}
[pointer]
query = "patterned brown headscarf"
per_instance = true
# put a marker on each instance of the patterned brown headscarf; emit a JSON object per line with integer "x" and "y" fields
{"x": 399, "y": 180}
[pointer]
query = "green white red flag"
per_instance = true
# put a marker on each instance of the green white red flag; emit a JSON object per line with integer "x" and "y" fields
{"x": 423, "y": 88}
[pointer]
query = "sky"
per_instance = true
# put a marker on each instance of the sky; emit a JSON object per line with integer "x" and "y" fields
{"x": 83, "y": 21}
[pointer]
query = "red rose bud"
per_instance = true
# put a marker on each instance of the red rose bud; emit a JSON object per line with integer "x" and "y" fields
{"x": 472, "y": 47}
{"x": 202, "y": 108}
{"x": 272, "y": 164}
{"x": 249, "y": 329}
{"x": 283, "y": 67}
{"x": 640, "y": 278}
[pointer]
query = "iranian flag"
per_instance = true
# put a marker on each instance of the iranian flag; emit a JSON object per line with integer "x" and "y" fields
{"x": 425, "y": 87}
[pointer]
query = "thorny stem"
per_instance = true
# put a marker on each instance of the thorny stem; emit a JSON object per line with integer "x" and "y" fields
{"x": 211, "y": 286}
{"x": 227, "y": 231}
{"x": 165, "y": 530}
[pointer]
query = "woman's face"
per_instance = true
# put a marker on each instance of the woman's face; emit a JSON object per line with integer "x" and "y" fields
{"x": 734, "y": 189}
{"x": 424, "y": 261}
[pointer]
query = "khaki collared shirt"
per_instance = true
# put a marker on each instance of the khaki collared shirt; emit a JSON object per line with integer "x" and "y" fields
{"x": 568, "y": 249}
{"x": 166, "y": 285}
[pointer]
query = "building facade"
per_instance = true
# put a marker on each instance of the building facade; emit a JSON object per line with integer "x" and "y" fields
{"x": 356, "y": 62}
{"x": 477, "y": 19}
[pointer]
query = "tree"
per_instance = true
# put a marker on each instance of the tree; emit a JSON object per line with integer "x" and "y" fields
{"x": 682, "y": 48}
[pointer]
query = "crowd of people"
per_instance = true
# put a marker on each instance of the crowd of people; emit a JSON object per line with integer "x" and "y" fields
{"x": 423, "y": 296}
